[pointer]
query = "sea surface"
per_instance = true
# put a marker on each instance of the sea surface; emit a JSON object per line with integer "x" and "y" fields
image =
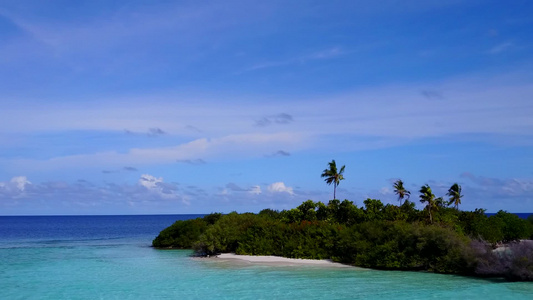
{"x": 109, "y": 257}
{"x": 524, "y": 216}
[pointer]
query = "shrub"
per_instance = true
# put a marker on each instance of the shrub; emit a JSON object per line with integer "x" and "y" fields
{"x": 181, "y": 234}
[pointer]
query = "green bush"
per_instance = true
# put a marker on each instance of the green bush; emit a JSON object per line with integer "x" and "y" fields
{"x": 225, "y": 234}
{"x": 376, "y": 236}
{"x": 184, "y": 233}
{"x": 181, "y": 234}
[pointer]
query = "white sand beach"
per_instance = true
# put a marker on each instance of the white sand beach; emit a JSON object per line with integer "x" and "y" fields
{"x": 277, "y": 260}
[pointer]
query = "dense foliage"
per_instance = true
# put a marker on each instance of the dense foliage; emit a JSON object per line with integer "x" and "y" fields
{"x": 183, "y": 234}
{"x": 437, "y": 238}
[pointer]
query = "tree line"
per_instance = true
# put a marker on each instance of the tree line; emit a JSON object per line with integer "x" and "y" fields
{"x": 439, "y": 238}
{"x": 334, "y": 175}
{"x": 376, "y": 236}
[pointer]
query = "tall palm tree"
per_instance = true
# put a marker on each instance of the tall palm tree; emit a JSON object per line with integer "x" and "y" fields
{"x": 455, "y": 195}
{"x": 401, "y": 191}
{"x": 333, "y": 176}
{"x": 439, "y": 202}
{"x": 426, "y": 196}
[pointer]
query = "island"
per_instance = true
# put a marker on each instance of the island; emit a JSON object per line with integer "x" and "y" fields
{"x": 439, "y": 238}
{"x": 386, "y": 237}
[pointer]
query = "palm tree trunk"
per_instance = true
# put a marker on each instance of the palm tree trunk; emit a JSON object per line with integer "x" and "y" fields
{"x": 334, "y": 190}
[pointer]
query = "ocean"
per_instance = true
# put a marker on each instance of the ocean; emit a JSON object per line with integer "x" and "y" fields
{"x": 109, "y": 257}
{"x": 524, "y": 216}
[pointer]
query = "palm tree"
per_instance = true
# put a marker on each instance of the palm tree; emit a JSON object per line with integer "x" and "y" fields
{"x": 455, "y": 195}
{"x": 401, "y": 191}
{"x": 332, "y": 176}
{"x": 426, "y": 196}
{"x": 439, "y": 203}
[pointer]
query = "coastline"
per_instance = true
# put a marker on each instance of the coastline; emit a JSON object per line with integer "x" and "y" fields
{"x": 277, "y": 260}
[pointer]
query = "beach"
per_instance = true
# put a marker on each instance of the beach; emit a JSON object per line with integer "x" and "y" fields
{"x": 277, "y": 260}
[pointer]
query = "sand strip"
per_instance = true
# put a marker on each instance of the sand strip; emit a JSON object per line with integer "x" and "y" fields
{"x": 277, "y": 260}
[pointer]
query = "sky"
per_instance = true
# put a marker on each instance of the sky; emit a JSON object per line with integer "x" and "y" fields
{"x": 180, "y": 107}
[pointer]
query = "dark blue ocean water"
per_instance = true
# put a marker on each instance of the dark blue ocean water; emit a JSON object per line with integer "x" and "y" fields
{"x": 520, "y": 215}
{"x": 78, "y": 228}
{"x": 109, "y": 257}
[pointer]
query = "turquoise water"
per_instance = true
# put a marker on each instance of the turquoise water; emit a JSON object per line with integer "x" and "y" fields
{"x": 111, "y": 258}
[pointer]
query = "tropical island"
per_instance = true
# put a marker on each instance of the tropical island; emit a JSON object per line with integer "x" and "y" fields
{"x": 439, "y": 238}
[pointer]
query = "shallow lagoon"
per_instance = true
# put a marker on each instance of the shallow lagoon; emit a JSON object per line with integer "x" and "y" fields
{"x": 111, "y": 258}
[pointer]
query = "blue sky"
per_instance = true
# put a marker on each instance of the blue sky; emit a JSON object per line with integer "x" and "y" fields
{"x": 148, "y": 107}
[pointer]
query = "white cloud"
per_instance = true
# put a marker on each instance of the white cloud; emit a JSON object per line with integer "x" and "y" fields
{"x": 132, "y": 24}
{"x": 20, "y": 182}
{"x": 492, "y": 108}
{"x": 163, "y": 190}
{"x": 227, "y": 147}
{"x": 16, "y": 187}
{"x": 385, "y": 191}
{"x": 323, "y": 54}
{"x": 279, "y": 187}
{"x": 255, "y": 190}
{"x": 232, "y": 187}
{"x": 501, "y": 48}
{"x": 150, "y": 194}
{"x": 466, "y": 105}
{"x": 150, "y": 182}
{"x": 505, "y": 188}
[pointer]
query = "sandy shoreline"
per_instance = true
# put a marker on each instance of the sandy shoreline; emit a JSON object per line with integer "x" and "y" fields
{"x": 276, "y": 260}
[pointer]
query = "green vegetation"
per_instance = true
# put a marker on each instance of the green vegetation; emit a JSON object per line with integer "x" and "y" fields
{"x": 400, "y": 190}
{"x": 438, "y": 238}
{"x": 333, "y": 176}
{"x": 375, "y": 236}
{"x": 455, "y": 195}
{"x": 183, "y": 234}
{"x": 427, "y": 197}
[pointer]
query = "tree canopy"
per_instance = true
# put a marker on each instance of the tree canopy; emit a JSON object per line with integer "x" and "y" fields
{"x": 437, "y": 238}
{"x": 331, "y": 175}
{"x": 455, "y": 195}
{"x": 400, "y": 190}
